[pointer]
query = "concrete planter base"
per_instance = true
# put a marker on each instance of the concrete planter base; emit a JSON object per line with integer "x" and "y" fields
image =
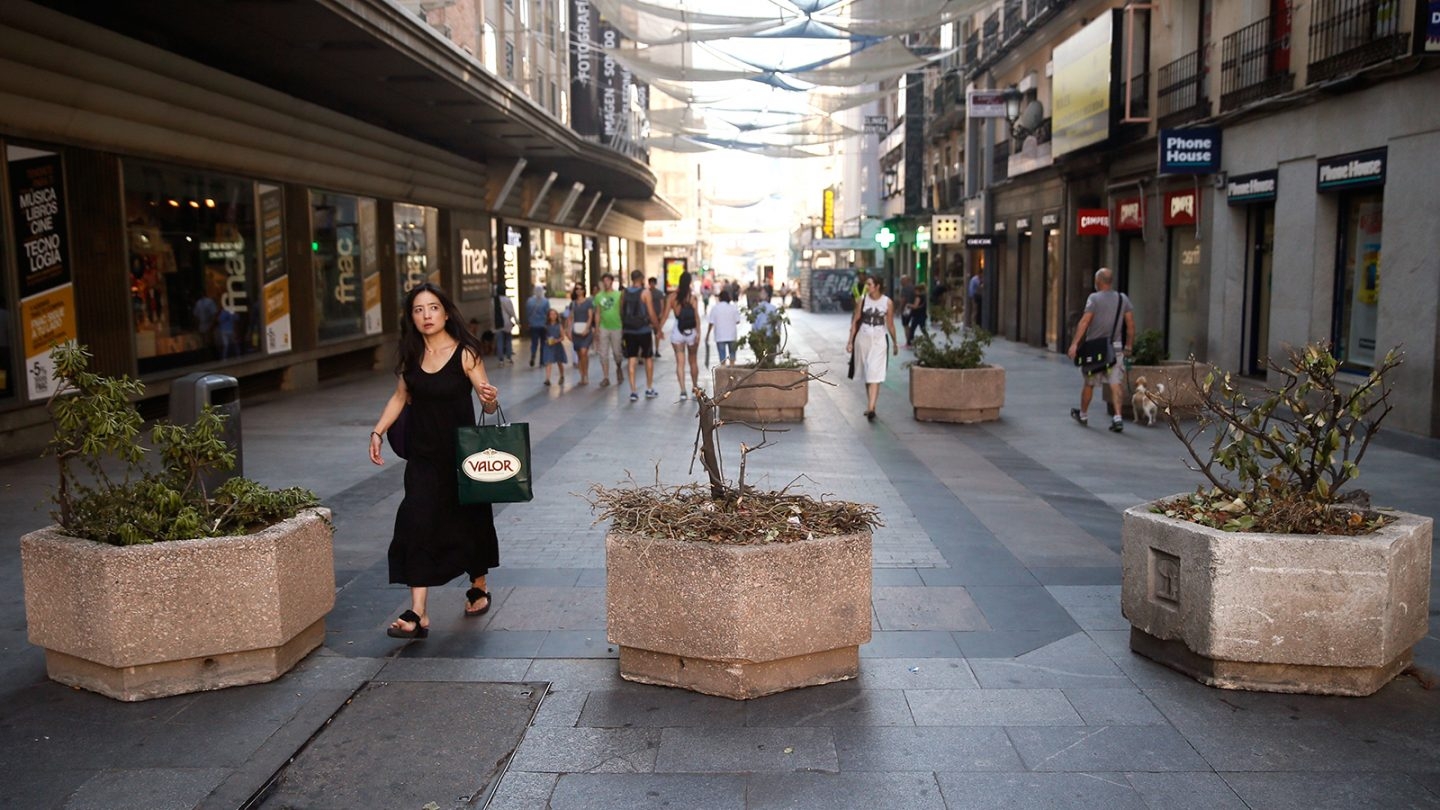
{"x": 762, "y": 404}
{"x": 738, "y": 621}
{"x": 956, "y": 394}
{"x": 139, "y": 622}
{"x": 1312, "y": 614}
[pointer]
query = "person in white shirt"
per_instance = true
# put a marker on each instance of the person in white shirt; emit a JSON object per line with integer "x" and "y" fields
{"x": 724, "y": 320}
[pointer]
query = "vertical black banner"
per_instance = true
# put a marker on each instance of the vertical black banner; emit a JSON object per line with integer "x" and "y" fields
{"x": 585, "y": 68}
{"x": 39, "y": 214}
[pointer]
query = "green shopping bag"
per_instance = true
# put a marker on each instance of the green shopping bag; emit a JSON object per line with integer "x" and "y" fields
{"x": 494, "y": 461}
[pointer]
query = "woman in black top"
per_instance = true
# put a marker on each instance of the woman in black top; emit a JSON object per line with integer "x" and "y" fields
{"x": 685, "y": 334}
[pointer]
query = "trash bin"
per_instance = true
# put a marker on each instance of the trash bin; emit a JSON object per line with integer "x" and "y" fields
{"x": 188, "y": 397}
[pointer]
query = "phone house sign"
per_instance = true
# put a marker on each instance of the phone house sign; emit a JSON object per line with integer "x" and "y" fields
{"x": 1190, "y": 151}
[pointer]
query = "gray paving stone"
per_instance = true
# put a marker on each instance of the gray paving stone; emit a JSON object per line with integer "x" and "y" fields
{"x": 1021, "y": 608}
{"x": 1314, "y": 747}
{"x": 478, "y": 643}
{"x": 587, "y": 750}
{"x": 922, "y": 608}
{"x": 1073, "y": 661}
{"x": 746, "y": 750}
{"x": 560, "y": 708}
{"x": 1039, "y": 791}
{"x": 991, "y": 707}
{"x": 830, "y": 705}
{"x": 1186, "y": 791}
{"x": 1006, "y": 643}
{"x": 844, "y": 791}
{"x": 577, "y": 644}
{"x": 551, "y": 608}
{"x": 522, "y": 790}
{"x": 454, "y": 669}
{"x": 584, "y": 674}
{"x": 895, "y": 578}
{"x": 910, "y": 644}
{"x": 604, "y": 791}
{"x": 1115, "y": 707}
{"x": 659, "y": 707}
{"x": 1094, "y": 607}
{"x": 1073, "y": 575}
{"x": 930, "y": 748}
{"x": 968, "y": 573}
{"x": 146, "y": 789}
{"x": 1105, "y": 748}
{"x": 1331, "y": 791}
{"x": 911, "y": 673}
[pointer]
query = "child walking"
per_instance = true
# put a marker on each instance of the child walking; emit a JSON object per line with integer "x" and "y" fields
{"x": 554, "y": 351}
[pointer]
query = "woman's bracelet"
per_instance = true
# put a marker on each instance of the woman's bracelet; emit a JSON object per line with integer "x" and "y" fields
{"x": 376, "y": 435}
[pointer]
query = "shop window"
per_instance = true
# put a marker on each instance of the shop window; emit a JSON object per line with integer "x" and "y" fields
{"x": 542, "y": 245}
{"x": 1357, "y": 287}
{"x": 7, "y": 333}
{"x": 194, "y": 289}
{"x": 343, "y": 257}
{"x": 1186, "y": 296}
{"x": 416, "y": 246}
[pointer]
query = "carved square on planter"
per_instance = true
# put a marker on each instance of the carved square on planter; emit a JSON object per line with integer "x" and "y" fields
{"x": 1164, "y": 579}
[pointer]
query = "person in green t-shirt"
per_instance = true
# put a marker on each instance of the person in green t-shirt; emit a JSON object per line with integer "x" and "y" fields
{"x": 607, "y": 349}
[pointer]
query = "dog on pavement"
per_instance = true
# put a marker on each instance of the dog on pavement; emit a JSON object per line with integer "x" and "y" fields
{"x": 1144, "y": 402}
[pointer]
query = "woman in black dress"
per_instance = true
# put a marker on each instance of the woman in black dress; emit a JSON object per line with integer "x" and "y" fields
{"x": 436, "y": 538}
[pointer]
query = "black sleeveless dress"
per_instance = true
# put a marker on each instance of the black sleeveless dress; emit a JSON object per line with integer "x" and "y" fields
{"x": 436, "y": 538}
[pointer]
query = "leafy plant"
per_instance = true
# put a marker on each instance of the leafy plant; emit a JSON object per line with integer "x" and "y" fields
{"x": 1149, "y": 348}
{"x": 968, "y": 352}
{"x": 1278, "y": 465}
{"x": 95, "y": 419}
{"x": 768, "y": 342}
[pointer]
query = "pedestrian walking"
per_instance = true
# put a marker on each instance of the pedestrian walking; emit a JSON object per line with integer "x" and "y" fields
{"x": 906, "y": 298}
{"x": 873, "y": 322}
{"x": 1104, "y": 310}
{"x": 657, "y": 300}
{"x": 707, "y": 290}
{"x": 554, "y": 352}
{"x": 436, "y": 537}
{"x": 608, "y": 348}
{"x": 919, "y": 314}
{"x": 504, "y": 345}
{"x": 685, "y": 333}
{"x": 639, "y": 323}
{"x": 724, "y": 320}
{"x": 974, "y": 292}
{"x": 536, "y": 307}
{"x": 580, "y": 325}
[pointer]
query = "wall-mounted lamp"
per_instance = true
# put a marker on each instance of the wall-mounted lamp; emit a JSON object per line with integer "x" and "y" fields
{"x": 1013, "y": 97}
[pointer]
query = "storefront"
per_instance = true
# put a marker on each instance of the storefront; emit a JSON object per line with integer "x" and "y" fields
{"x": 1358, "y": 181}
{"x": 1186, "y": 303}
{"x": 1254, "y": 196}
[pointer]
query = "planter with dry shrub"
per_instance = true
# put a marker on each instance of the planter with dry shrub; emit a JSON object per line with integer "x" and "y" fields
{"x": 730, "y": 591}
{"x": 1270, "y": 579}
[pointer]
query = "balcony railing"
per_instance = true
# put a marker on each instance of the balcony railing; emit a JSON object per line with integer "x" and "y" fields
{"x": 1014, "y": 18}
{"x": 1040, "y": 7}
{"x": 1346, "y": 35}
{"x": 1254, "y": 64}
{"x": 972, "y": 50}
{"x": 991, "y": 31}
{"x": 1181, "y": 94}
{"x": 1002, "y": 161}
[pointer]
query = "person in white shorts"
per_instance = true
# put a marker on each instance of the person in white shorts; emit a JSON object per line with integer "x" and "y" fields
{"x": 684, "y": 335}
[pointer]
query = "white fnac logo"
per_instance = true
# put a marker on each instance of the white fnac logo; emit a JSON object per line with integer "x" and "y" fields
{"x": 490, "y": 465}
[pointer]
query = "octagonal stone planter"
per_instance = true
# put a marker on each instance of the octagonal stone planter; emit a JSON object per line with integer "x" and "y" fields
{"x": 146, "y": 621}
{"x": 1313, "y": 614}
{"x": 782, "y": 399}
{"x": 957, "y": 394}
{"x": 738, "y": 621}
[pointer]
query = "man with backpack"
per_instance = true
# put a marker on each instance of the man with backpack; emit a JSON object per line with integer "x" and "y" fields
{"x": 639, "y": 323}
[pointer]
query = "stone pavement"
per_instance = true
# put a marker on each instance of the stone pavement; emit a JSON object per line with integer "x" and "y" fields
{"x": 998, "y": 675}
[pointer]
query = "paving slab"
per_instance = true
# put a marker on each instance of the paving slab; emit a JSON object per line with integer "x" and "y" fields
{"x": 1331, "y": 791}
{"x": 146, "y": 789}
{"x": 404, "y": 744}
{"x": 850, "y": 791}
{"x": 746, "y": 750}
{"x": 991, "y": 707}
{"x": 1105, "y": 748}
{"x": 588, "y": 750}
{"x": 604, "y": 791}
{"x": 927, "y": 748}
{"x": 1039, "y": 791}
{"x": 1186, "y": 791}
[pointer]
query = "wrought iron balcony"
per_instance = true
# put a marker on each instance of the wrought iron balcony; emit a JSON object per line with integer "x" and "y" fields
{"x": 1014, "y": 18}
{"x": 1254, "y": 64}
{"x": 1346, "y": 35}
{"x": 991, "y": 35}
{"x": 972, "y": 50}
{"x": 1181, "y": 94}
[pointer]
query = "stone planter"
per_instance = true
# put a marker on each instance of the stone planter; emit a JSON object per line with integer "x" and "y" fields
{"x": 738, "y": 621}
{"x": 1315, "y": 614}
{"x": 957, "y": 394}
{"x": 762, "y": 404}
{"x": 1180, "y": 389}
{"x": 139, "y": 622}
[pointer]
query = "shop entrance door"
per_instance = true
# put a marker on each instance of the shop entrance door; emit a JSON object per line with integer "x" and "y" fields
{"x": 1022, "y": 284}
{"x": 1054, "y": 275}
{"x": 1260, "y": 234}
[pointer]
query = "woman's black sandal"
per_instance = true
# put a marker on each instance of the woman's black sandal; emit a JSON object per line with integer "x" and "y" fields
{"x": 419, "y": 631}
{"x": 474, "y": 595}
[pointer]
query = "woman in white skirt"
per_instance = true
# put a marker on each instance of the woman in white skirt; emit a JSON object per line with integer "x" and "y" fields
{"x": 684, "y": 334}
{"x": 874, "y": 320}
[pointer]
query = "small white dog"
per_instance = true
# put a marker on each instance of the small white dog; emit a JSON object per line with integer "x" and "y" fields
{"x": 1144, "y": 402}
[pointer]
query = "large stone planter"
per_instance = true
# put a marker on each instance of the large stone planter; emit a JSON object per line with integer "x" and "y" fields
{"x": 780, "y": 395}
{"x": 957, "y": 394}
{"x": 1181, "y": 392}
{"x": 1315, "y": 614}
{"x": 139, "y": 622}
{"x": 738, "y": 621}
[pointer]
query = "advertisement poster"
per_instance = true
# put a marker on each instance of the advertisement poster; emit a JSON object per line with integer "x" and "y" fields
{"x": 272, "y": 266}
{"x": 1082, "y": 87}
{"x": 1365, "y": 295}
{"x": 47, "y": 296}
{"x": 674, "y": 267}
{"x": 474, "y": 264}
{"x": 370, "y": 267}
{"x": 585, "y": 67}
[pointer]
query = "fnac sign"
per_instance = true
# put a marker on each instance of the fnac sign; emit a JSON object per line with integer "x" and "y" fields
{"x": 1092, "y": 222}
{"x": 1182, "y": 207}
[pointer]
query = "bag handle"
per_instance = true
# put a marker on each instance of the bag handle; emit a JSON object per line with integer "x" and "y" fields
{"x": 1119, "y": 310}
{"x": 500, "y": 420}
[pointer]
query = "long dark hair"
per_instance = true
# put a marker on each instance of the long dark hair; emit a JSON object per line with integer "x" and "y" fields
{"x": 682, "y": 290}
{"x": 412, "y": 343}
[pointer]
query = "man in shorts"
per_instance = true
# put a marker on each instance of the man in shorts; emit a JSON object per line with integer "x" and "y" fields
{"x": 607, "y": 344}
{"x": 637, "y": 334}
{"x": 1101, "y": 320}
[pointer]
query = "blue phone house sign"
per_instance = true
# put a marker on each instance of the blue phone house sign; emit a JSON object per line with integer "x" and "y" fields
{"x": 1190, "y": 151}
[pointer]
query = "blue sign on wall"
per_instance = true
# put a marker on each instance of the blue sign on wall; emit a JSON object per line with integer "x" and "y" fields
{"x": 1190, "y": 151}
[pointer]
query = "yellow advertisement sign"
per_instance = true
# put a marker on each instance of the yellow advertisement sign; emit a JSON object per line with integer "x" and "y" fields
{"x": 372, "y": 304}
{"x": 48, "y": 319}
{"x": 277, "y": 316}
{"x": 1081, "y": 87}
{"x": 673, "y": 269}
{"x": 827, "y": 219}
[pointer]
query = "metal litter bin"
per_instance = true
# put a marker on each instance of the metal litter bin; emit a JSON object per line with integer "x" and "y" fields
{"x": 188, "y": 397}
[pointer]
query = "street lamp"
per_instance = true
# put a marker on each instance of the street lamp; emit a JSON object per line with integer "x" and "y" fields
{"x": 1013, "y": 97}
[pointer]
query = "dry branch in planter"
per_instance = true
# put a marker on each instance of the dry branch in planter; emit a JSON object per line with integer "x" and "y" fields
{"x": 689, "y": 513}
